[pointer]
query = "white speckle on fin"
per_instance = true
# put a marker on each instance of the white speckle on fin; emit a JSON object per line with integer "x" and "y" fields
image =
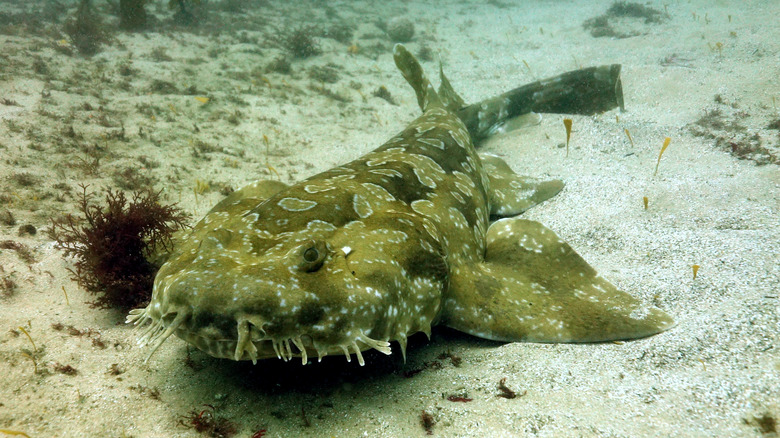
{"x": 535, "y": 287}
{"x": 508, "y": 125}
{"x": 511, "y": 194}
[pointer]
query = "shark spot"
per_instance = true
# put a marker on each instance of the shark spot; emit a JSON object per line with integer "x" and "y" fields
{"x": 402, "y": 186}
{"x": 296, "y": 204}
{"x": 460, "y": 138}
{"x": 373, "y": 163}
{"x": 361, "y": 206}
{"x": 435, "y": 142}
{"x": 387, "y": 172}
{"x": 424, "y": 129}
{"x": 319, "y": 187}
{"x": 378, "y": 192}
{"x": 424, "y": 179}
{"x": 423, "y": 206}
{"x": 458, "y": 196}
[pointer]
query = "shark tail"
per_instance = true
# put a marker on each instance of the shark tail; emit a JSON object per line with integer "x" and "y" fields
{"x": 586, "y": 91}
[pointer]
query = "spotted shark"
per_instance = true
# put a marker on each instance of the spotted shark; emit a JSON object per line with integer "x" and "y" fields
{"x": 419, "y": 232}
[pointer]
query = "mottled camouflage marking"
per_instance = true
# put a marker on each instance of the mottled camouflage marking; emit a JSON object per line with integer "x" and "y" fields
{"x": 383, "y": 247}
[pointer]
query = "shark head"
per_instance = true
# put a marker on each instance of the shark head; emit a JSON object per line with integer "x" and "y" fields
{"x": 277, "y": 277}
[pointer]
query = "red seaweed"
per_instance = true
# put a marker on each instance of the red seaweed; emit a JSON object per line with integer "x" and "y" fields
{"x": 111, "y": 244}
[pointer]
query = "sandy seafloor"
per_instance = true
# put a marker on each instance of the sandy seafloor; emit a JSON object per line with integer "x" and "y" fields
{"x": 713, "y": 204}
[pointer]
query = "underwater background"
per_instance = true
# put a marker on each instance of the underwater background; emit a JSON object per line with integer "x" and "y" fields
{"x": 194, "y": 99}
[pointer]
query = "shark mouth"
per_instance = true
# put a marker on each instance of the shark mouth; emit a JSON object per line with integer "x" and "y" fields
{"x": 252, "y": 342}
{"x": 283, "y": 348}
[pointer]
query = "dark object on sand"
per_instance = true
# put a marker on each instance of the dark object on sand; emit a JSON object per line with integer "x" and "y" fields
{"x": 624, "y": 20}
{"x": 86, "y": 29}
{"x": 112, "y": 244}
{"x": 132, "y": 15}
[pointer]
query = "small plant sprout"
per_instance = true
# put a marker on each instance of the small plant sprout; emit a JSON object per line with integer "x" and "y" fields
{"x": 200, "y": 188}
{"x": 32, "y": 358}
{"x": 528, "y": 67}
{"x": 567, "y": 125}
{"x": 628, "y": 134}
{"x": 14, "y": 433}
{"x": 35, "y": 349}
{"x": 267, "y": 154}
{"x": 667, "y": 140}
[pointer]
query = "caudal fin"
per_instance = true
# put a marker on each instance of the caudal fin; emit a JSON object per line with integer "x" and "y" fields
{"x": 586, "y": 91}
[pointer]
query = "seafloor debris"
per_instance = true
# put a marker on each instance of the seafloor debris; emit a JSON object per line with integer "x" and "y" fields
{"x": 727, "y": 124}
{"x": 624, "y": 20}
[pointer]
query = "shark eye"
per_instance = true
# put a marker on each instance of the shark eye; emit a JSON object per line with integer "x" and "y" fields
{"x": 313, "y": 254}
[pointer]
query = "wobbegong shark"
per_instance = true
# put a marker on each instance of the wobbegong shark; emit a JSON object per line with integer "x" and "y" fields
{"x": 419, "y": 232}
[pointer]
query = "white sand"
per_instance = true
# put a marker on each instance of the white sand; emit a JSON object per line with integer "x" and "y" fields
{"x": 712, "y": 375}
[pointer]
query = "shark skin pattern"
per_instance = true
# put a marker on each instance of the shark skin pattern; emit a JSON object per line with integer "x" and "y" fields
{"x": 395, "y": 242}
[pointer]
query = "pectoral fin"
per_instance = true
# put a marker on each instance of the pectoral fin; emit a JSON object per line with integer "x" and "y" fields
{"x": 512, "y": 194}
{"x": 534, "y": 287}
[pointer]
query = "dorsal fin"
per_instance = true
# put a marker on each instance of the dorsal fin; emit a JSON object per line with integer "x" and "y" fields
{"x": 447, "y": 94}
{"x": 413, "y": 73}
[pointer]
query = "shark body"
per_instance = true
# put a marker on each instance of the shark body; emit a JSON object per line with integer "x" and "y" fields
{"x": 395, "y": 242}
